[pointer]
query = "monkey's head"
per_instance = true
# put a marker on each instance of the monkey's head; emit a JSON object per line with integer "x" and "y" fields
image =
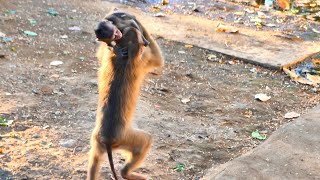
{"x": 107, "y": 32}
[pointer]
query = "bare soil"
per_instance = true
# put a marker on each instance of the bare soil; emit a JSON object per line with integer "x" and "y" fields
{"x": 53, "y": 107}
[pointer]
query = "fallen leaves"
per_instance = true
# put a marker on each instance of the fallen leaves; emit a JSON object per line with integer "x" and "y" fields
{"x": 227, "y": 29}
{"x": 257, "y": 135}
{"x": 262, "y": 97}
{"x": 74, "y": 28}
{"x": 5, "y": 122}
{"x": 316, "y": 31}
{"x": 307, "y": 72}
{"x": 2, "y": 35}
{"x": 30, "y": 33}
{"x": 56, "y": 63}
{"x": 240, "y": 13}
{"x": 282, "y": 4}
{"x": 165, "y": 2}
{"x": 188, "y": 46}
{"x": 52, "y": 12}
{"x": 291, "y": 115}
{"x": 179, "y": 167}
{"x": 32, "y": 21}
{"x": 160, "y": 14}
{"x": 185, "y": 100}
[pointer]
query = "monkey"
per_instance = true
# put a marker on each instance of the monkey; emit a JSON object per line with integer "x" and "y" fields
{"x": 109, "y": 29}
{"x": 122, "y": 70}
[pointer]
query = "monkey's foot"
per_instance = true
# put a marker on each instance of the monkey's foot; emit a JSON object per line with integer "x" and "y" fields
{"x": 135, "y": 176}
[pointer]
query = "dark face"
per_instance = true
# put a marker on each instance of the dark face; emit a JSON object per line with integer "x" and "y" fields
{"x": 107, "y": 32}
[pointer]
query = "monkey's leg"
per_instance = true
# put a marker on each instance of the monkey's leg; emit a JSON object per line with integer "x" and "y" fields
{"x": 96, "y": 157}
{"x": 138, "y": 144}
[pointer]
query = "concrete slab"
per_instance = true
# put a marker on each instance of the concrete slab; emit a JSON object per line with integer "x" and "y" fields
{"x": 292, "y": 152}
{"x": 264, "y": 48}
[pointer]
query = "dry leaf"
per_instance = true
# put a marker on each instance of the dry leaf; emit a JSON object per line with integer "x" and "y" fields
{"x": 227, "y": 29}
{"x": 233, "y": 62}
{"x": 303, "y": 81}
{"x": 283, "y": 4}
{"x": 155, "y": 9}
{"x": 165, "y": 2}
{"x": 249, "y": 11}
{"x": 55, "y": 76}
{"x": 270, "y": 25}
{"x": 160, "y": 14}
{"x": 211, "y": 57}
{"x": 291, "y": 115}
{"x": 186, "y": 100}
{"x": 316, "y": 61}
{"x": 262, "y": 15}
{"x": 2, "y": 35}
{"x": 314, "y": 78}
{"x": 262, "y": 97}
{"x": 256, "y": 20}
{"x": 316, "y": 31}
{"x": 56, "y": 63}
{"x": 240, "y": 13}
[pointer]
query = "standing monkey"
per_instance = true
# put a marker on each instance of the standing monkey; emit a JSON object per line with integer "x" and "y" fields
{"x": 121, "y": 74}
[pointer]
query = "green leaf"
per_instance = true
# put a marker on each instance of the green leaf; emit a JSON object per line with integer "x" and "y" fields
{"x": 11, "y": 12}
{"x": 32, "y": 21}
{"x": 294, "y": 11}
{"x": 257, "y": 135}
{"x": 52, "y": 12}
{"x": 30, "y": 33}
{"x": 180, "y": 167}
{"x": 5, "y": 122}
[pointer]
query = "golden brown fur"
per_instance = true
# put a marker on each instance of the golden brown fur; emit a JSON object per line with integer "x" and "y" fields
{"x": 119, "y": 87}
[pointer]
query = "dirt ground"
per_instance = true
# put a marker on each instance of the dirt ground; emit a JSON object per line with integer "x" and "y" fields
{"x": 53, "y": 107}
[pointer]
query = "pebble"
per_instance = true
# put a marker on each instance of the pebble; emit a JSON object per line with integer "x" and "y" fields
{"x": 35, "y": 136}
{"x": 68, "y": 143}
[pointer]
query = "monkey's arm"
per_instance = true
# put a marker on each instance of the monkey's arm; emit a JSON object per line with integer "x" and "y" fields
{"x": 152, "y": 53}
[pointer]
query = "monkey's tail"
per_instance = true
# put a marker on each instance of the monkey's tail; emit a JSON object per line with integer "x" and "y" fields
{"x": 109, "y": 151}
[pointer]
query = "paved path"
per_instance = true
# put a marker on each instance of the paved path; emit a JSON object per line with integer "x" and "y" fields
{"x": 292, "y": 152}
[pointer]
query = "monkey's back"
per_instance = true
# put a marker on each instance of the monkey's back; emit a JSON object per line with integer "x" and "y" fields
{"x": 119, "y": 87}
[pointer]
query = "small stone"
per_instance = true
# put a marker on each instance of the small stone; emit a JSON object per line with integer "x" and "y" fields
{"x": 57, "y": 113}
{"x": 68, "y": 143}
{"x": 2, "y": 34}
{"x": 64, "y": 37}
{"x": 291, "y": 115}
{"x": 35, "y": 136}
{"x": 34, "y": 91}
{"x": 74, "y": 28}
{"x": 56, "y": 63}
{"x": 46, "y": 90}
